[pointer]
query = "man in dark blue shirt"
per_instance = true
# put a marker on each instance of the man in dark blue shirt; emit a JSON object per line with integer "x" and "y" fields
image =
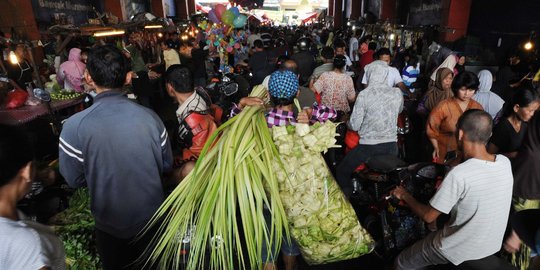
{"x": 119, "y": 149}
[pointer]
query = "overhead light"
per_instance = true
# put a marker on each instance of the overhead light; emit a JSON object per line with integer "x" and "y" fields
{"x": 109, "y": 33}
{"x": 156, "y": 26}
{"x": 13, "y": 58}
{"x": 160, "y": 35}
{"x": 392, "y": 36}
{"x": 528, "y": 45}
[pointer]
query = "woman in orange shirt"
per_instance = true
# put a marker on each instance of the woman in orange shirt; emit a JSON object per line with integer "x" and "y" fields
{"x": 441, "y": 125}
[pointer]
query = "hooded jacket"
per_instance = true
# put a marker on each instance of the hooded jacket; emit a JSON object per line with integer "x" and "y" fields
{"x": 490, "y": 101}
{"x": 377, "y": 107}
{"x": 72, "y": 71}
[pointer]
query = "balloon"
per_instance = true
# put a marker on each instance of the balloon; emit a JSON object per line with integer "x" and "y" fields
{"x": 235, "y": 11}
{"x": 229, "y": 49}
{"x": 240, "y": 21}
{"x": 227, "y": 17}
{"x": 216, "y": 43}
{"x": 213, "y": 16}
{"x": 219, "y": 9}
{"x": 237, "y": 46}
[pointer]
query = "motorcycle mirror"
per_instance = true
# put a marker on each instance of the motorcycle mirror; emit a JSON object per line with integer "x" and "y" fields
{"x": 230, "y": 89}
{"x": 42, "y": 94}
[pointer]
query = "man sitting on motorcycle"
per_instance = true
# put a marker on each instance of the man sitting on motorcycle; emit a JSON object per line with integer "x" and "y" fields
{"x": 477, "y": 194}
{"x": 194, "y": 114}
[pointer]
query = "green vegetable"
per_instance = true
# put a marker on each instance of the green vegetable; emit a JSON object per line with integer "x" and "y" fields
{"x": 320, "y": 218}
{"x": 219, "y": 205}
{"x": 75, "y": 227}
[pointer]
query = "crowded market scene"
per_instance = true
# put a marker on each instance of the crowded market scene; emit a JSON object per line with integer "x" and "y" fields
{"x": 269, "y": 134}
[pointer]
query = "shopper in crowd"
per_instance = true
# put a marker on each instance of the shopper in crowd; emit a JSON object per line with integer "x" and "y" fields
{"x": 509, "y": 133}
{"x": 437, "y": 92}
{"x": 25, "y": 244}
{"x": 142, "y": 82}
{"x": 118, "y": 149}
{"x": 490, "y": 101}
{"x": 21, "y": 72}
{"x": 336, "y": 87}
{"x": 327, "y": 58}
{"x": 394, "y": 77}
{"x": 353, "y": 47}
{"x": 305, "y": 60}
{"x": 476, "y": 192}
{"x": 441, "y": 126}
{"x": 194, "y": 116}
{"x": 170, "y": 55}
{"x": 449, "y": 63}
{"x": 260, "y": 63}
{"x": 71, "y": 72}
{"x": 526, "y": 188}
{"x": 283, "y": 88}
{"x": 374, "y": 117}
{"x": 367, "y": 57}
{"x": 410, "y": 73}
{"x": 340, "y": 49}
{"x": 460, "y": 65}
{"x": 198, "y": 57}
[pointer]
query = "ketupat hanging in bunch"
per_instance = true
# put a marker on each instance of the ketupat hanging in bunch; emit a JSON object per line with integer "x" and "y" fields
{"x": 320, "y": 218}
{"x": 223, "y": 199}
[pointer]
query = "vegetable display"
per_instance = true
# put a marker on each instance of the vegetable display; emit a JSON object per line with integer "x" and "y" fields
{"x": 64, "y": 95}
{"x": 219, "y": 206}
{"x": 75, "y": 227}
{"x": 321, "y": 220}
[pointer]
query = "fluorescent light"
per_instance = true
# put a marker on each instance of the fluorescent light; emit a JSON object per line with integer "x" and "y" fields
{"x": 109, "y": 33}
{"x": 153, "y": 26}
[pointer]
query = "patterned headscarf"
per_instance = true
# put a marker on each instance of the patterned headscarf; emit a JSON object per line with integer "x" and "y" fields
{"x": 283, "y": 84}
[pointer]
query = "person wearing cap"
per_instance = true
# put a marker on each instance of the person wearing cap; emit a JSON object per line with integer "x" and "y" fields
{"x": 283, "y": 89}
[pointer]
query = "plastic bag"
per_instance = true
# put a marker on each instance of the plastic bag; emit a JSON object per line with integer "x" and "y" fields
{"x": 321, "y": 219}
{"x": 16, "y": 98}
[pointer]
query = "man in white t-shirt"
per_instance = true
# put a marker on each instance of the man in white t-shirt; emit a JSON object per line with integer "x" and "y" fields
{"x": 477, "y": 194}
{"x": 394, "y": 77}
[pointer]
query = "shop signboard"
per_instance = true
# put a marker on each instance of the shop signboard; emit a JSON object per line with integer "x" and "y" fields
{"x": 425, "y": 12}
{"x": 76, "y": 12}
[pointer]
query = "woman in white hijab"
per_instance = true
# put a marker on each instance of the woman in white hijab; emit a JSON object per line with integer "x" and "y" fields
{"x": 450, "y": 63}
{"x": 490, "y": 101}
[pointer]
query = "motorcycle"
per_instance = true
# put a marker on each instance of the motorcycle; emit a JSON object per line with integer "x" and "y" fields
{"x": 228, "y": 88}
{"x": 392, "y": 224}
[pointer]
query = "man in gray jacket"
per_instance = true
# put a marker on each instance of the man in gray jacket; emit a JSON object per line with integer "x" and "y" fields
{"x": 119, "y": 150}
{"x": 374, "y": 117}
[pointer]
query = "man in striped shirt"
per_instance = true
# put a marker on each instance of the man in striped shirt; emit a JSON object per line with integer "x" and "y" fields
{"x": 477, "y": 194}
{"x": 119, "y": 150}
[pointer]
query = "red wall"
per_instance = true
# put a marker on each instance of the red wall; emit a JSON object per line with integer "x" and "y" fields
{"x": 19, "y": 15}
{"x": 457, "y": 18}
{"x": 388, "y": 10}
{"x": 157, "y": 8}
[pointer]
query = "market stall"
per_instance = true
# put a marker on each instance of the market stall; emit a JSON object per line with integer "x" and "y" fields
{"x": 26, "y": 113}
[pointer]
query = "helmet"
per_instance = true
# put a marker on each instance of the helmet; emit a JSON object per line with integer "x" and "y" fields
{"x": 304, "y": 44}
{"x": 280, "y": 42}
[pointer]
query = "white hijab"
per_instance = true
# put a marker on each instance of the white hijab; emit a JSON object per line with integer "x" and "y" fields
{"x": 450, "y": 62}
{"x": 491, "y": 102}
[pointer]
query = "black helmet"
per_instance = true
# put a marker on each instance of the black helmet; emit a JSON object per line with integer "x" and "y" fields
{"x": 280, "y": 42}
{"x": 304, "y": 44}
